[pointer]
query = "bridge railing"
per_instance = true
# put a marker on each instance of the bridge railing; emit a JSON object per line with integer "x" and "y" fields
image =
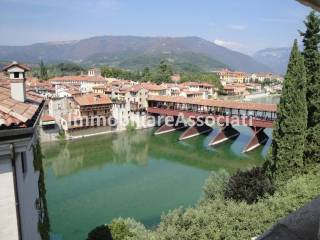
{"x": 218, "y": 117}
{"x": 262, "y": 115}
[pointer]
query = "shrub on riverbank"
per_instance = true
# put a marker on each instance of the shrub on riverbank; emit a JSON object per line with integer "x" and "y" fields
{"x": 249, "y": 186}
{"x": 119, "y": 230}
{"x": 127, "y": 229}
{"x": 220, "y": 219}
{"x": 215, "y": 185}
{"x": 100, "y": 233}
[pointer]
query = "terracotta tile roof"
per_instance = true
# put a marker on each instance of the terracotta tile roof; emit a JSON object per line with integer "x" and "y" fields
{"x": 136, "y": 88}
{"x": 228, "y": 87}
{"x": 234, "y": 86}
{"x": 118, "y": 81}
{"x": 37, "y": 84}
{"x": 47, "y": 118}
{"x": 78, "y": 79}
{"x": 193, "y": 92}
{"x": 153, "y": 87}
{"x": 16, "y": 114}
{"x": 15, "y": 64}
{"x": 196, "y": 84}
{"x": 92, "y": 99}
{"x": 73, "y": 90}
{"x": 217, "y": 103}
{"x": 171, "y": 85}
{"x": 101, "y": 86}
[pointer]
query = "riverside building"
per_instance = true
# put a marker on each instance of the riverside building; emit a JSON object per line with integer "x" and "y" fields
{"x": 22, "y": 203}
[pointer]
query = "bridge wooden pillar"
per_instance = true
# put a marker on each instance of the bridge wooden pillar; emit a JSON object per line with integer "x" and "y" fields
{"x": 226, "y": 133}
{"x": 165, "y": 128}
{"x": 194, "y": 131}
{"x": 259, "y": 138}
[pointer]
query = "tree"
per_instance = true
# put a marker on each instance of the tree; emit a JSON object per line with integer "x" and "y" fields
{"x": 211, "y": 78}
{"x": 163, "y": 73}
{"x": 120, "y": 230}
{"x": 164, "y": 68}
{"x": 100, "y": 233}
{"x": 290, "y": 130}
{"x": 43, "y": 72}
{"x": 146, "y": 75}
{"x": 311, "y": 40}
{"x": 214, "y": 185}
{"x": 249, "y": 186}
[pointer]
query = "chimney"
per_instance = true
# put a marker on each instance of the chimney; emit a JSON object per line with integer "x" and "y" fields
{"x": 17, "y": 75}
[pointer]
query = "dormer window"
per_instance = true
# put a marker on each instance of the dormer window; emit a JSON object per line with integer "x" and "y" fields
{"x": 16, "y": 75}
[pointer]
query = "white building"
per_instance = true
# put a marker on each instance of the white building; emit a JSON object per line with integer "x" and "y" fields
{"x": 22, "y": 202}
{"x": 84, "y": 83}
{"x": 59, "y": 107}
{"x": 132, "y": 109}
{"x": 199, "y": 90}
{"x": 94, "y": 72}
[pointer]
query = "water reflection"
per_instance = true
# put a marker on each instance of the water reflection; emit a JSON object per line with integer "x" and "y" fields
{"x": 137, "y": 148}
{"x": 131, "y": 148}
{"x": 94, "y": 180}
{"x": 67, "y": 158}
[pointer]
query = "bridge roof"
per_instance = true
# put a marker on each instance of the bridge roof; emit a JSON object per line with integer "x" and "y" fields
{"x": 217, "y": 103}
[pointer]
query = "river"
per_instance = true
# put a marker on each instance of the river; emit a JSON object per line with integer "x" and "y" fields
{"x": 93, "y": 180}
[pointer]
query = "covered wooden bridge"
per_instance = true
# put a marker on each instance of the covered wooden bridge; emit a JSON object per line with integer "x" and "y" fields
{"x": 257, "y": 116}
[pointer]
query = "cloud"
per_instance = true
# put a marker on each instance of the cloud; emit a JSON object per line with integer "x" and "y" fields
{"x": 228, "y": 44}
{"x": 237, "y": 27}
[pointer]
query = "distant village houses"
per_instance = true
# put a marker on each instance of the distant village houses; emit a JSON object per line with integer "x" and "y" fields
{"x": 71, "y": 100}
{"x": 227, "y": 76}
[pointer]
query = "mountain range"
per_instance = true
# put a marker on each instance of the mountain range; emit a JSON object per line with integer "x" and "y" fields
{"x": 130, "y": 52}
{"x": 275, "y": 58}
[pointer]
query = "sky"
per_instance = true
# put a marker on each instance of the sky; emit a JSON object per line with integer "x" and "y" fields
{"x": 241, "y": 25}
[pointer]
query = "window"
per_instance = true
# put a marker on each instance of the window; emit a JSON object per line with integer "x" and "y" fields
{"x": 16, "y": 75}
{"x": 24, "y": 163}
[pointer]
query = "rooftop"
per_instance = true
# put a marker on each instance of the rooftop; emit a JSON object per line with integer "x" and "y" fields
{"x": 153, "y": 87}
{"x": 217, "y": 103}
{"x": 81, "y": 78}
{"x": 92, "y": 99}
{"x": 136, "y": 88}
{"x": 15, "y": 64}
{"x": 197, "y": 84}
{"x": 192, "y": 92}
{"x": 233, "y": 86}
{"x": 14, "y": 114}
{"x": 47, "y": 118}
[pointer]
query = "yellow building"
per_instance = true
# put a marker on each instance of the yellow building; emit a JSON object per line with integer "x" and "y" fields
{"x": 228, "y": 76}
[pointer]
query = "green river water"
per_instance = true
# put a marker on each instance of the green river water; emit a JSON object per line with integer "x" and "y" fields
{"x": 93, "y": 180}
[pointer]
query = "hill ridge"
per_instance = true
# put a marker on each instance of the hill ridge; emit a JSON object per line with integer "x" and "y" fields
{"x": 116, "y": 50}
